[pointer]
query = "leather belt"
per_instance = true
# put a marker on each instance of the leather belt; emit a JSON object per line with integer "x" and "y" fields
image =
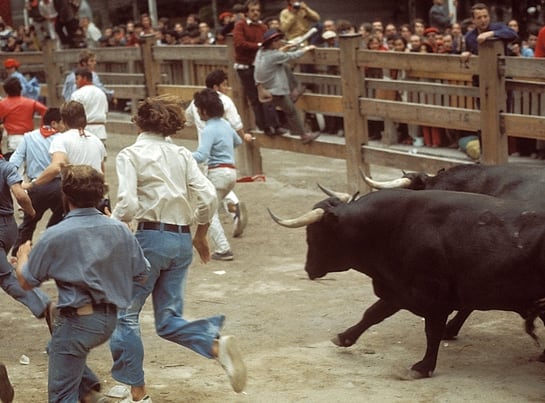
{"x": 96, "y": 123}
{"x": 222, "y": 166}
{"x": 88, "y": 309}
{"x": 159, "y": 226}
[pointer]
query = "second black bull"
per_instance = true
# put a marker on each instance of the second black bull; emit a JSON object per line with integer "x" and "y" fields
{"x": 431, "y": 252}
{"x": 513, "y": 182}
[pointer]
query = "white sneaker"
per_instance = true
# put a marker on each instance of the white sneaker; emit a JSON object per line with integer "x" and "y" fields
{"x": 231, "y": 360}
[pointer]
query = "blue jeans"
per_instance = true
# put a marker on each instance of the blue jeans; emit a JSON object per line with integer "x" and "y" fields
{"x": 36, "y": 300}
{"x": 73, "y": 338}
{"x": 170, "y": 255}
{"x": 44, "y": 197}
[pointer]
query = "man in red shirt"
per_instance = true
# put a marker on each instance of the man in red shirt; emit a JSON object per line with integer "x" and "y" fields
{"x": 17, "y": 113}
{"x": 247, "y": 38}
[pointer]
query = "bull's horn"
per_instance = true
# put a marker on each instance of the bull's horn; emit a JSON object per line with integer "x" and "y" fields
{"x": 344, "y": 197}
{"x": 302, "y": 221}
{"x": 393, "y": 184}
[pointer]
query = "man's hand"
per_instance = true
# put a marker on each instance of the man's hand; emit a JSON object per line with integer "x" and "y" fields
{"x": 484, "y": 36}
{"x": 464, "y": 56}
{"x": 248, "y": 137}
{"x": 200, "y": 242}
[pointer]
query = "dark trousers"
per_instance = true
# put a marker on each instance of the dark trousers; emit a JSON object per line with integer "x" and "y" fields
{"x": 44, "y": 197}
{"x": 264, "y": 114}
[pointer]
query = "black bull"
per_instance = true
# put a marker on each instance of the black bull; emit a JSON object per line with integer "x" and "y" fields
{"x": 431, "y": 252}
{"x": 515, "y": 182}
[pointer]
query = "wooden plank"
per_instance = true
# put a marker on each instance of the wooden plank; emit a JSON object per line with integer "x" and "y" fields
{"x": 291, "y": 143}
{"x": 407, "y": 161}
{"x": 423, "y": 62}
{"x": 532, "y": 127}
{"x": 190, "y": 52}
{"x": 425, "y": 87}
{"x": 423, "y": 115}
{"x": 329, "y": 104}
{"x": 526, "y": 67}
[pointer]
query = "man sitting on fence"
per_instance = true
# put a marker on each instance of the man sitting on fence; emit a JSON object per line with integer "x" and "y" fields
{"x": 270, "y": 72}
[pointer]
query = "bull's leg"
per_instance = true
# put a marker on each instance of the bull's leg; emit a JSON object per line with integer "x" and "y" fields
{"x": 376, "y": 313}
{"x": 455, "y": 324}
{"x": 435, "y": 326}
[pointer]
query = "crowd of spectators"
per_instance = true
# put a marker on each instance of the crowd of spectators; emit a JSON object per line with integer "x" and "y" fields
{"x": 439, "y": 33}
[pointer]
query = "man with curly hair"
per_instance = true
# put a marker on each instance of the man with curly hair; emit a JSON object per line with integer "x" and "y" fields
{"x": 157, "y": 179}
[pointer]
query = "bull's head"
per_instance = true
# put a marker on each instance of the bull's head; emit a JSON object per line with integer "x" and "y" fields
{"x": 324, "y": 246}
{"x": 414, "y": 181}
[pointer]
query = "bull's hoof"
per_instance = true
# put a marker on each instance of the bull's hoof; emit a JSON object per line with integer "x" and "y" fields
{"x": 408, "y": 374}
{"x": 341, "y": 342}
{"x": 449, "y": 336}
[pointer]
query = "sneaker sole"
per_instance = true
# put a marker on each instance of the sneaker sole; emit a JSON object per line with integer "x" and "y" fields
{"x": 242, "y": 221}
{"x": 238, "y": 375}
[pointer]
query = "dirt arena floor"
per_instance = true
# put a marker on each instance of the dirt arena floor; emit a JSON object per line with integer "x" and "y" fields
{"x": 284, "y": 322}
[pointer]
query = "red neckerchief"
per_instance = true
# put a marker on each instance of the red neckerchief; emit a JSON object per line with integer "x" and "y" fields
{"x": 47, "y": 131}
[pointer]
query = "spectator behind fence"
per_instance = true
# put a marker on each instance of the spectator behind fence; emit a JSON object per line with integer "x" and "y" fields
{"x": 86, "y": 59}
{"x": 247, "y": 37}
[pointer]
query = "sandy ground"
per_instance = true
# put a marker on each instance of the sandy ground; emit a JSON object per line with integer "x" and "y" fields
{"x": 284, "y": 322}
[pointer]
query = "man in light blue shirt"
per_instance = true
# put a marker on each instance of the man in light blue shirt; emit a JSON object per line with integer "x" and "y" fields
{"x": 217, "y": 148}
{"x": 33, "y": 152}
{"x": 94, "y": 261}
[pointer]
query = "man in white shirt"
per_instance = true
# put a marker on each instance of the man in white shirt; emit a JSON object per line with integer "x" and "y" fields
{"x": 91, "y": 32}
{"x": 217, "y": 81}
{"x": 74, "y": 146}
{"x": 94, "y": 102}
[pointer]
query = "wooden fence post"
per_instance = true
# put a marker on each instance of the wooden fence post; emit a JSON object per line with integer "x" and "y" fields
{"x": 493, "y": 101}
{"x": 249, "y": 161}
{"x": 152, "y": 68}
{"x": 355, "y": 125}
{"x": 52, "y": 73}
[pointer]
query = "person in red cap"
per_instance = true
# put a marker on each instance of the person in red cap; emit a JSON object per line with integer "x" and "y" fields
{"x": 17, "y": 112}
{"x": 30, "y": 88}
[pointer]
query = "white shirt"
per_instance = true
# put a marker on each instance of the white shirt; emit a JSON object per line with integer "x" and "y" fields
{"x": 95, "y": 103}
{"x": 231, "y": 114}
{"x": 157, "y": 180}
{"x": 86, "y": 150}
{"x": 92, "y": 35}
{"x": 48, "y": 10}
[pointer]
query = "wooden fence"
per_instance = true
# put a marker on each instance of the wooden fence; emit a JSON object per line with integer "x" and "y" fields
{"x": 438, "y": 90}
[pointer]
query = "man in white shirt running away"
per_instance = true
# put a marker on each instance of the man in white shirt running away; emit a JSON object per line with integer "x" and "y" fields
{"x": 217, "y": 81}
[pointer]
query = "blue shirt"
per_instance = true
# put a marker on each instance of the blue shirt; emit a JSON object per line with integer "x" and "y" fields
{"x": 9, "y": 177}
{"x": 501, "y": 31}
{"x": 29, "y": 88}
{"x": 92, "y": 258}
{"x": 217, "y": 143}
{"x": 34, "y": 150}
{"x": 70, "y": 86}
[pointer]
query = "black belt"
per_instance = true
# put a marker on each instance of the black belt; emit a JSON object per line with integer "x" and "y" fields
{"x": 88, "y": 309}
{"x": 159, "y": 226}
